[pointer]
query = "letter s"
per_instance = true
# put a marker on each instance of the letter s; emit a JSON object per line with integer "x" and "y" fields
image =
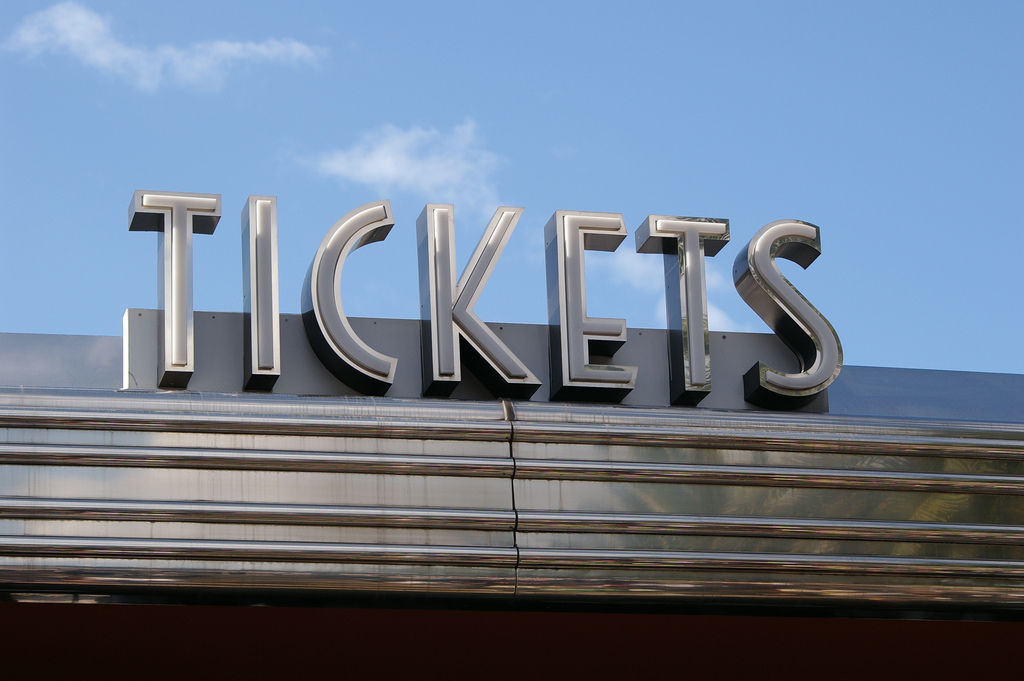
{"x": 799, "y": 325}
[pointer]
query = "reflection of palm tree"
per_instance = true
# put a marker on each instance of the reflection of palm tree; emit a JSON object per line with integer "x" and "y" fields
{"x": 827, "y": 504}
{"x": 948, "y": 508}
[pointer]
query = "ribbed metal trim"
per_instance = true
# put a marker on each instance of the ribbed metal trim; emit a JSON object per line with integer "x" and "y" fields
{"x": 773, "y": 528}
{"x": 774, "y": 476}
{"x": 255, "y": 551}
{"x": 241, "y": 459}
{"x": 39, "y": 508}
{"x": 619, "y": 559}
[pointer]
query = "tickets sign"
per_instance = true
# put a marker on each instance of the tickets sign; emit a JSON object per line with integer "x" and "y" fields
{"x": 581, "y": 348}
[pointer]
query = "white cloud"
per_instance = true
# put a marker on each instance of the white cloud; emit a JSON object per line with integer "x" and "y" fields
{"x": 70, "y": 28}
{"x": 660, "y": 314}
{"x": 439, "y": 167}
{"x": 644, "y": 273}
{"x": 639, "y": 270}
{"x": 719, "y": 320}
{"x": 715, "y": 280}
{"x": 719, "y": 284}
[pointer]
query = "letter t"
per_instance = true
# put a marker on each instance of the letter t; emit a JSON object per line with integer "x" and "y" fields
{"x": 174, "y": 216}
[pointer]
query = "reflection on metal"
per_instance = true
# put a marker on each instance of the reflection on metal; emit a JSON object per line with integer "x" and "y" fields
{"x": 574, "y": 335}
{"x": 327, "y": 327}
{"x": 790, "y": 435}
{"x": 242, "y": 550}
{"x": 446, "y": 310}
{"x": 313, "y": 462}
{"x": 768, "y": 476}
{"x": 102, "y": 490}
{"x": 29, "y": 508}
{"x": 249, "y": 491}
{"x": 685, "y": 242}
{"x": 61, "y": 412}
{"x": 175, "y": 217}
{"x": 747, "y": 526}
{"x": 615, "y": 559}
{"x": 262, "y": 356}
{"x": 764, "y": 288}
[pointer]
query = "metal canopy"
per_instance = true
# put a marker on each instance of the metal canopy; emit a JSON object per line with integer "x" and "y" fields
{"x": 105, "y": 490}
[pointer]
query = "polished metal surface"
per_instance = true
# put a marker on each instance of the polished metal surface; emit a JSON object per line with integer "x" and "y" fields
{"x": 250, "y": 551}
{"x": 795, "y": 320}
{"x": 39, "y": 508}
{"x": 327, "y": 326}
{"x": 65, "y": 361}
{"x": 110, "y": 574}
{"x": 685, "y": 242}
{"x": 103, "y": 490}
{"x": 767, "y": 507}
{"x": 446, "y": 309}
{"x": 175, "y": 217}
{"x": 261, "y": 357}
{"x": 574, "y": 335}
{"x": 724, "y": 526}
{"x": 915, "y": 393}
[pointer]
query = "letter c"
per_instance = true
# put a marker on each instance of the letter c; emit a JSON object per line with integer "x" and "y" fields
{"x": 331, "y": 336}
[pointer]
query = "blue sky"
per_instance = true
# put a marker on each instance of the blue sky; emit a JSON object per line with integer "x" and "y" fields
{"x": 894, "y": 127}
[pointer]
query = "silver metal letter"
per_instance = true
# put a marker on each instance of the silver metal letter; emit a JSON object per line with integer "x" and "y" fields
{"x": 446, "y": 310}
{"x": 328, "y": 329}
{"x": 685, "y": 242}
{"x": 799, "y": 325}
{"x": 262, "y": 362}
{"x": 574, "y": 335}
{"x": 174, "y": 216}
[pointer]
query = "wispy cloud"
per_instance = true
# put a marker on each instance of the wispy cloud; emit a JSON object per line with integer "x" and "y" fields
{"x": 718, "y": 277}
{"x": 644, "y": 274}
{"x": 451, "y": 167}
{"x": 69, "y": 28}
{"x": 719, "y": 320}
{"x": 638, "y": 270}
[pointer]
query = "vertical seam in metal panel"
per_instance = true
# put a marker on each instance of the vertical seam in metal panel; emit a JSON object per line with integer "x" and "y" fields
{"x": 509, "y": 413}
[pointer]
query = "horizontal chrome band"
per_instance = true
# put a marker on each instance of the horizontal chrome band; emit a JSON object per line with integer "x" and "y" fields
{"x": 764, "y": 431}
{"x": 665, "y": 419}
{"x": 485, "y": 421}
{"x": 498, "y": 584}
{"x": 775, "y": 476}
{"x": 57, "y": 574}
{"x": 36, "y": 508}
{"x": 617, "y": 559}
{"x": 528, "y": 558}
{"x": 525, "y": 469}
{"x": 543, "y": 585}
{"x": 840, "y": 442}
{"x": 774, "y": 527}
{"x": 240, "y": 459}
{"x": 253, "y": 414}
{"x": 256, "y": 551}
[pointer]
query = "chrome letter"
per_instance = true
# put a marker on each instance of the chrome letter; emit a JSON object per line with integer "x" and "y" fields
{"x": 574, "y": 335}
{"x": 799, "y": 325}
{"x": 262, "y": 362}
{"x": 446, "y": 310}
{"x": 685, "y": 242}
{"x": 175, "y": 216}
{"x": 327, "y": 327}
